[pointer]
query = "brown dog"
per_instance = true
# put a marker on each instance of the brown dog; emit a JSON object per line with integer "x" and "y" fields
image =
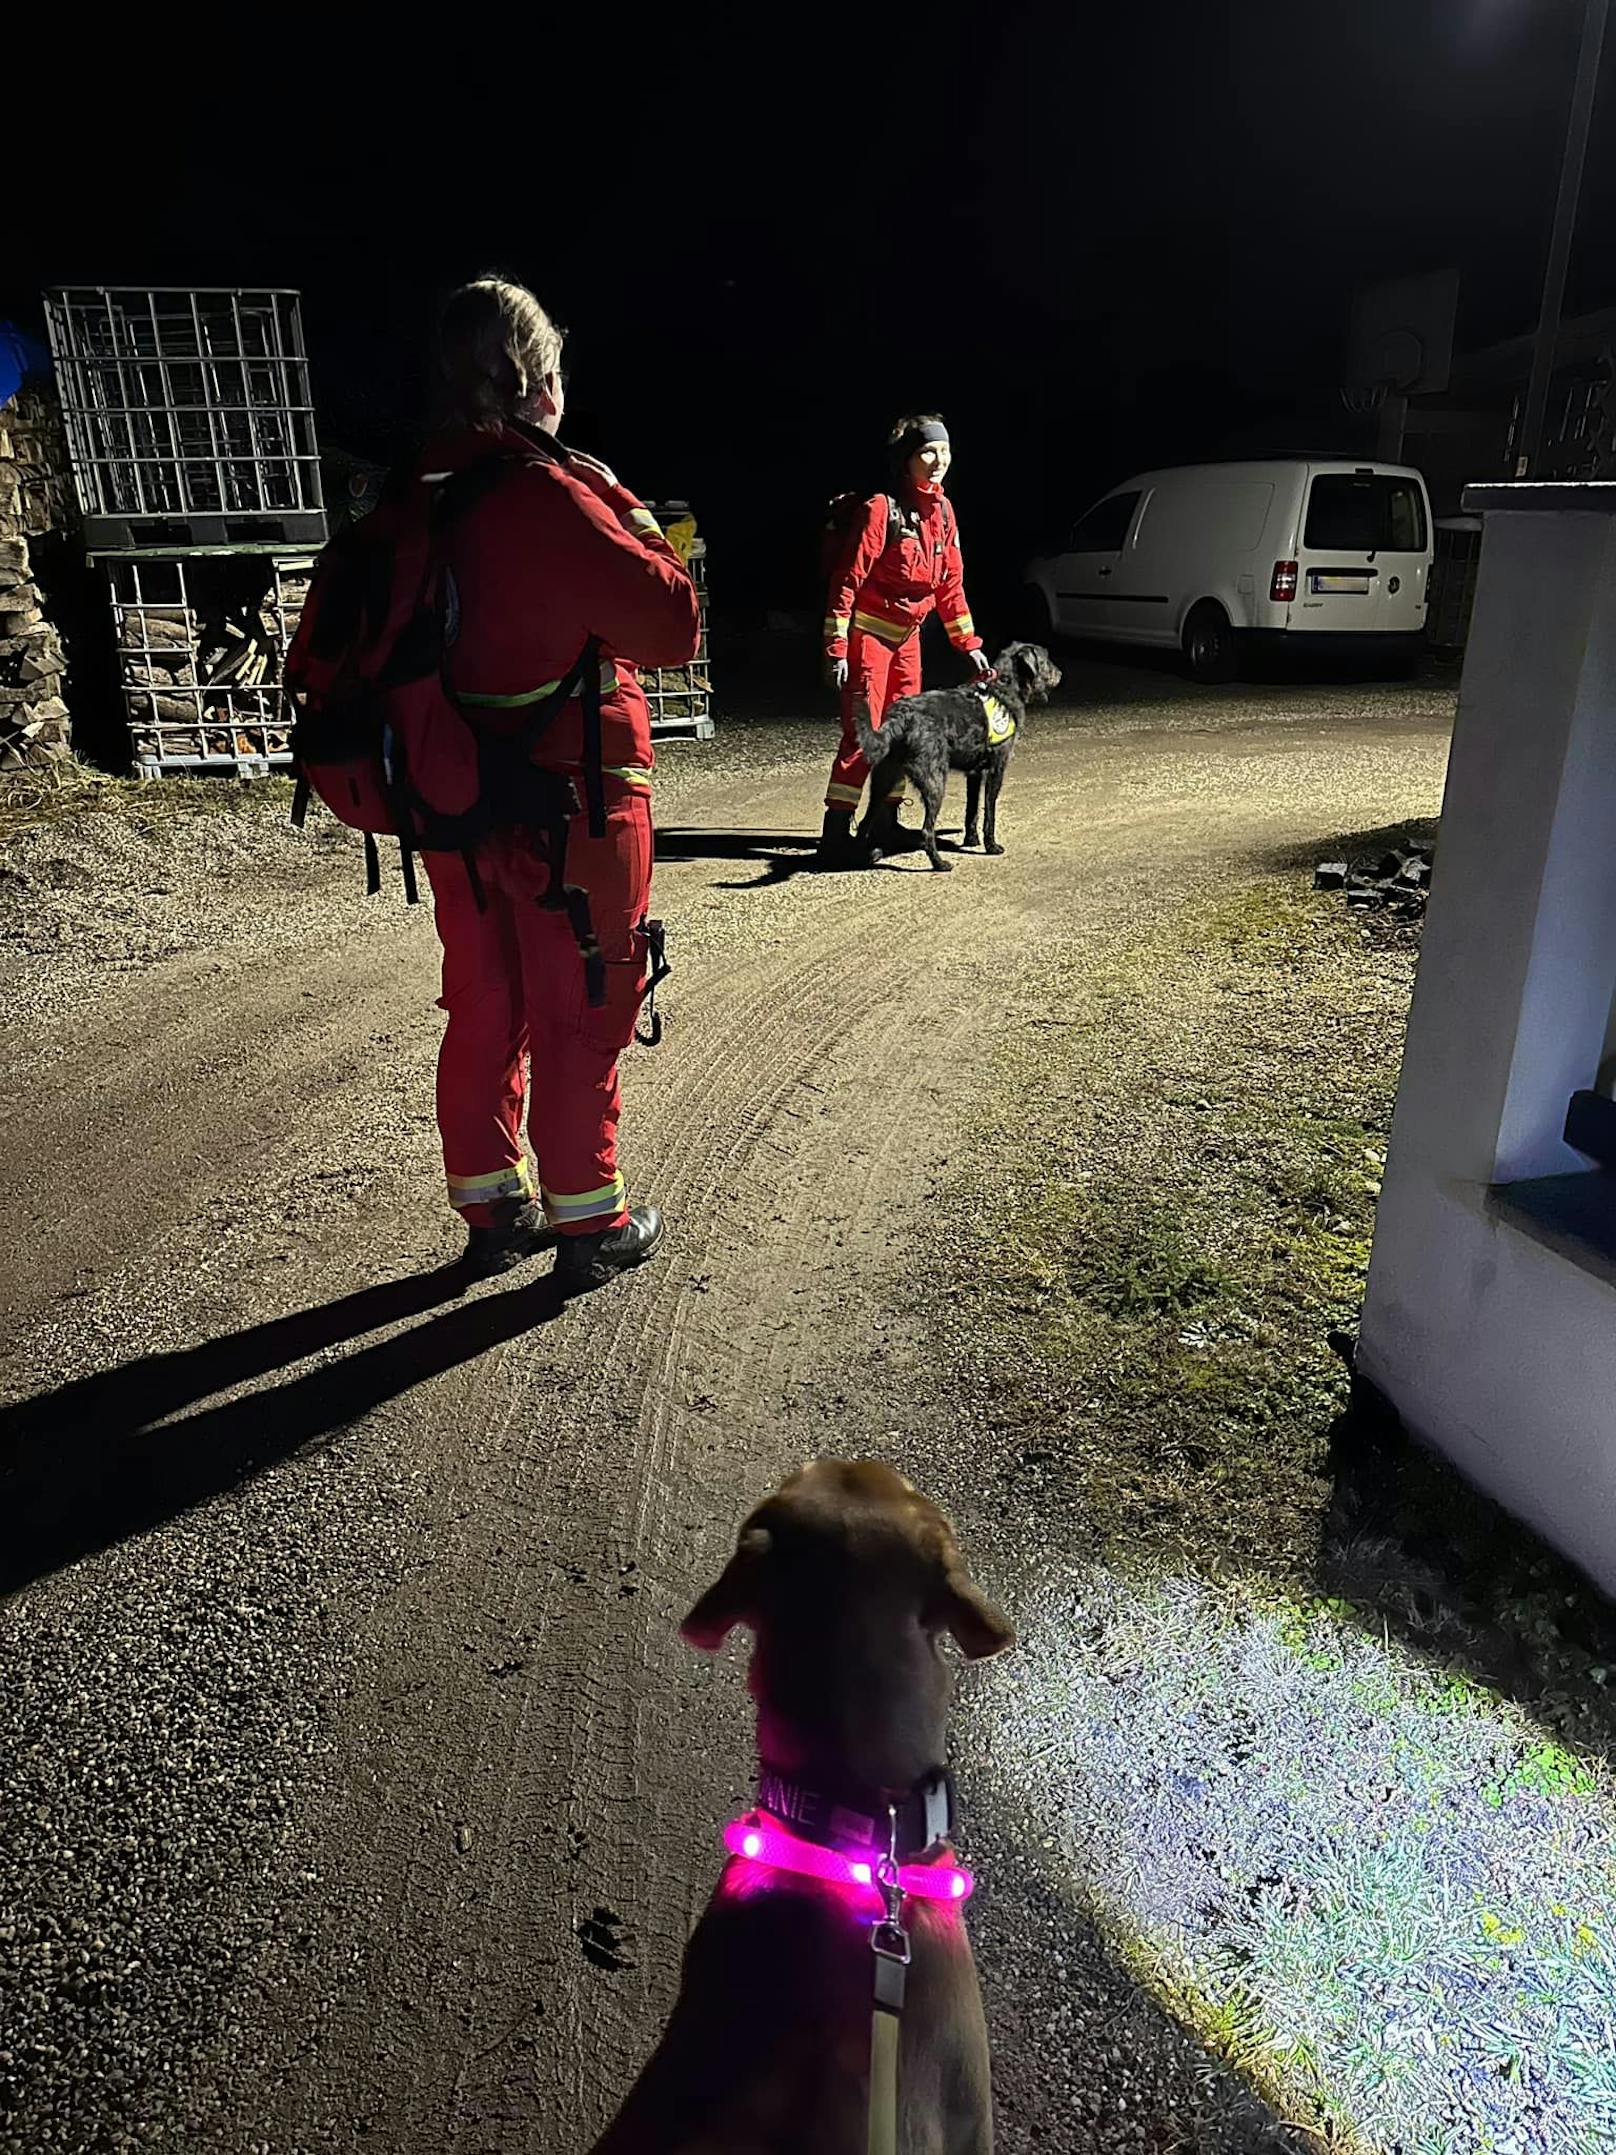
{"x": 847, "y": 1577}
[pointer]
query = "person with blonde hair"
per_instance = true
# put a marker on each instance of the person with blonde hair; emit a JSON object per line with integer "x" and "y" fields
{"x": 898, "y": 560}
{"x": 560, "y": 585}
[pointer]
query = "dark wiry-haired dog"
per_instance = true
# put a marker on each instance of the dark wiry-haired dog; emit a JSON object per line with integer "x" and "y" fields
{"x": 971, "y": 729}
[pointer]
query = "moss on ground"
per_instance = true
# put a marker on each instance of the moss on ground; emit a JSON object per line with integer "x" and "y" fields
{"x": 1197, "y": 1225}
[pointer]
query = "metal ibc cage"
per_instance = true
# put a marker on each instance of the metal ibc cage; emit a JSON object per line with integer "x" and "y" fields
{"x": 188, "y": 416}
{"x": 201, "y": 643}
{"x": 681, "y": 697}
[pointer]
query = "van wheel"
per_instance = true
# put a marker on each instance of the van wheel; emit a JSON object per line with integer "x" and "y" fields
{"x": 1209, "y": 642}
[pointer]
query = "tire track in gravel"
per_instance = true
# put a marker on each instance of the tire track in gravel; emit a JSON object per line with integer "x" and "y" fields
{"x": 568, "y": 1489}
{"x": 713, "y": 1135}
{"x": 178, "y": 1088}
{"x": 771, "y": 1033}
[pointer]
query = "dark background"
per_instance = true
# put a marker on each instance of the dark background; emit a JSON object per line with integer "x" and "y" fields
{"x": 1097, "y": 238}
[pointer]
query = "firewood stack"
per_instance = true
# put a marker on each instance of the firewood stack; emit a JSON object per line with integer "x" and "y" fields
{"x": 34, "y": 496}
{"x": 200, "y": 647}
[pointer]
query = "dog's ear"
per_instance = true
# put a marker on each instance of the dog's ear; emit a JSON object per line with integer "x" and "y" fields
{"x": 732, "y": 1597}
{"x": 1024, "y": 665}
{"x": 979, "y": 1627}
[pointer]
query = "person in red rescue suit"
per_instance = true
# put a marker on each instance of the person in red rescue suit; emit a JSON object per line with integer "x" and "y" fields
{"x": 887, "y": 582}
{"x": 553, "y": 553}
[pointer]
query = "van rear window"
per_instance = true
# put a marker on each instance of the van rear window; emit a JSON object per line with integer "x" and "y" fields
{"x": 1364, "y": 513}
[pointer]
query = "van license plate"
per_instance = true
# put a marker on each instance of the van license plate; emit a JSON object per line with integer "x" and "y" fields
{"x": 1322, "y": 582}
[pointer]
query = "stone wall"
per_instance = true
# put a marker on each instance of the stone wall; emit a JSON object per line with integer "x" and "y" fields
{"x": 36, "y": 498}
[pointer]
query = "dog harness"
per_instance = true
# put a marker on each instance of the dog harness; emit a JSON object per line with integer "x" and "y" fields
{"x": 862, "y": 1842}
{"x": 1001, "y": 724}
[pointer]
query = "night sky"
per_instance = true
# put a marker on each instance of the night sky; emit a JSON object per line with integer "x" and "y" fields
{"x": 1096, "y": 238}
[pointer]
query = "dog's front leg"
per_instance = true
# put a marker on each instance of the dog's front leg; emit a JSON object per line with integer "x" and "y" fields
{"x": 973, "y": 809}
{"x": 995, "y": 781}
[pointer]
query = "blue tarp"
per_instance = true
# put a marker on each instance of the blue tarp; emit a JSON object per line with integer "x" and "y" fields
{"x": 20, "y": 356}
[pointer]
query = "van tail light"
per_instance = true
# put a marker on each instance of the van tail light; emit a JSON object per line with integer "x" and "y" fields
{"x": 1283, "y": 588}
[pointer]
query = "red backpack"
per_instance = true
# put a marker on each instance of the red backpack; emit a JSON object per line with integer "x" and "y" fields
{"x": 842, "y": 516}
{"x": 379, "y": 736}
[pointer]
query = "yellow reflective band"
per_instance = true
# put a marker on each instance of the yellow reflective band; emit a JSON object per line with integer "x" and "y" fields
{"x": 1000, "y": 722}
{"x": 608, "y": 682}
{"x": 483, "y": 1189}
{"x": 643, "y": 520}
{"x": 892, "y": 632}
{"x": 603, "y": 1203}
{"x": 840, "y": 796}
{"x": 630, "y": 774}
{"x": 837, "y": 624}
{"x": 961, "y": 628}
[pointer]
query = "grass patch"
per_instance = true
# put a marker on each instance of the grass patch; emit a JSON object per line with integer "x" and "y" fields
{"x": 1328, "y": 1742}
{"x": 1388, "y": 1903}
{"x": 1202, "y": 1221}
{"x": 73, "y": 793}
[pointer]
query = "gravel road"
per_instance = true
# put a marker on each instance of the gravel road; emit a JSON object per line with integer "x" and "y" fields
{"x": 358, "y": 1791}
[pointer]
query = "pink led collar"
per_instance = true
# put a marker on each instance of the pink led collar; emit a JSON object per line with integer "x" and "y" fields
{"x": 758, "y": 1838}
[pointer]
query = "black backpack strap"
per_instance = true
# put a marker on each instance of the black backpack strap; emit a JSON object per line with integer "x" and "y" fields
{"x": 373, "y": 865}
{"x": 594, "y": 771}
{"x": 583, "y": 934}
{"x": 300, "y": 800}
{"x": 406, "y": 862}
{"x": 468, "y": 861}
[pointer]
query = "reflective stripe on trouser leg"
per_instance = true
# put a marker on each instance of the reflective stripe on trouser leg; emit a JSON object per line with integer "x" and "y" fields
{"x": 467, "y": 1190}
{"x": 577, "y": 1092}
{"x": 880, "y": 675}
{"x": 591, "y": 1208}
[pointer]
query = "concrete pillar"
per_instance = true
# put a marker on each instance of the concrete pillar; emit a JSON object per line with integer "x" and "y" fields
{"x": 1490, "y": 1318}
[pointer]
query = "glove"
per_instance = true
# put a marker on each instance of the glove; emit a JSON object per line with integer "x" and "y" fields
{"x": 981, "y": 661}
{"x": 591, "y": 470}
{"x": 836, "y": 673}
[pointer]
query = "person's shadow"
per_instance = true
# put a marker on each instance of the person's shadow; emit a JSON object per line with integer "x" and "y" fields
{"x": 98, "y": 1460}
{"x": 784, "y": 854}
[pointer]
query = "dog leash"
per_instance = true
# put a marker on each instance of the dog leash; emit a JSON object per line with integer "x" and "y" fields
{"x": 782, "y": 1835}
{"x": 889, "y": 1942}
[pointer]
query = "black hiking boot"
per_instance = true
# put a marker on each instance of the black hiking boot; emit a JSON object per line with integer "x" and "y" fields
{"x": 835, "y": 849}
{"x": 884, "y": 835}
{"x": 520, "y": 1233}
{"x": 585, "y": 1261}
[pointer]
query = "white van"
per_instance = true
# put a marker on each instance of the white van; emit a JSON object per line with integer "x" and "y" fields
{"x": 1202, "y": 556}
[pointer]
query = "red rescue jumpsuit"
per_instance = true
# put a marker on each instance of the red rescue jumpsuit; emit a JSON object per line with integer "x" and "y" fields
{"x": 548, "y": 557}
{"x": 878, "y": 599}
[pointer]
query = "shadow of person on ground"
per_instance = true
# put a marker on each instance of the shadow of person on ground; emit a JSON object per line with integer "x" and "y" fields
{"x": 784, "y": 853}
{"x": 1407, "y": 1540}
{"x": 97, "y": 1461}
